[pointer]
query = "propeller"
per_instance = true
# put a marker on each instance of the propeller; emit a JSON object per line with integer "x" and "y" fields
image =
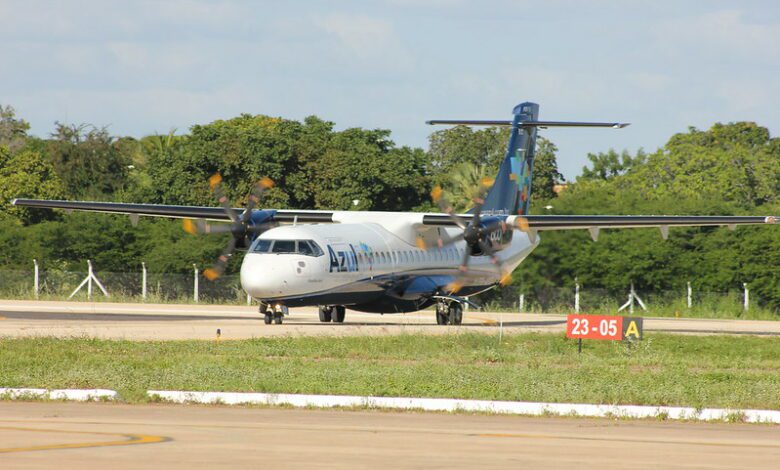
{"x": 474, "y": 234}
{"x": 240, "y": 227}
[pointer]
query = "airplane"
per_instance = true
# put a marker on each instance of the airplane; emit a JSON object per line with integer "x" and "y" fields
{"x": 393, "y": 262}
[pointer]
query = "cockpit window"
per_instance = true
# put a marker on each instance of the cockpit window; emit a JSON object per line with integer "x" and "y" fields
{"x": 314, "y": 247}
{"x": 262, "y": 246}
{"x": 301, "y": 247}
{"x": 304, "y": 248}
{"x": 283, "y": 246}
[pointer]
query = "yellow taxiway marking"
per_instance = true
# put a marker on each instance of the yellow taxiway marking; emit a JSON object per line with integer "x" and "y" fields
{"x": 485, "y": 321}
{"x": 130, "y": 439}
{"x": 618, "y": 439}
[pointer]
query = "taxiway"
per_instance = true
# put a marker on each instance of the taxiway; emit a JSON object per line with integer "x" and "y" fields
{"x": 94, "y": 435}
{"x": 170, "y": 322}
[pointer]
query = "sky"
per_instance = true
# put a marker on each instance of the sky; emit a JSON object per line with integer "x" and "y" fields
{"x": 144, "y": 67}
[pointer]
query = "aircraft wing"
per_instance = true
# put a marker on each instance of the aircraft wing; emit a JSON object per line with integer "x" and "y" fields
{"x": 529, "y": 222}
{"x": 594, "y": 223}
{"x": 178, "y": 212}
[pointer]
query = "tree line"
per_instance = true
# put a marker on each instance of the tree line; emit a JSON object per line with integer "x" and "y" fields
{"x": 727, "y": 169}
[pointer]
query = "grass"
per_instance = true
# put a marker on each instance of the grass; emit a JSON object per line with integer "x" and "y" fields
{"x": 709, "y": 371}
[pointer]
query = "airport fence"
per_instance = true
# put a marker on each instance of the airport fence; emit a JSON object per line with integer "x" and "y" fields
{"x": 152, "y": 287}
{"x": 122, "y": 286}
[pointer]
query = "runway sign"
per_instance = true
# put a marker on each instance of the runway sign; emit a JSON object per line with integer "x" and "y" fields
{"x": 607, "y": 327}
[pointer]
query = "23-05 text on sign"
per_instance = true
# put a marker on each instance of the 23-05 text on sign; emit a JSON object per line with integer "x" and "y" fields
{"x": 607, "y": 327}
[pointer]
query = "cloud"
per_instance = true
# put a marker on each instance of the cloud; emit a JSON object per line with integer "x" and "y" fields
{"x": 89, "y": 20}
{"x": 745, "y": 95}
{"x": 723, "y": 34}
{"x": 367, "y": 39}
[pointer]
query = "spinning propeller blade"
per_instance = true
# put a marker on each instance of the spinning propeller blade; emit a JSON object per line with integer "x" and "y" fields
{"x": 239, "y": 227}
{"x": 475, "y": 234}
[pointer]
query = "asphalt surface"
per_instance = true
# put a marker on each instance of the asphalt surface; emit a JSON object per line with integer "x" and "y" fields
{"x": 164, "y": 321}
{"x": 96, "y": 436}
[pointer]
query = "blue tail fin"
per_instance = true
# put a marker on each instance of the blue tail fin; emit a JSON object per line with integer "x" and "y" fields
{"x": 511, "y": 191}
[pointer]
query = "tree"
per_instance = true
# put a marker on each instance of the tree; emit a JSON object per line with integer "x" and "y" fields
{"x": 736, "y": 162}
{"x": 608, "y": 165}
{"x": 457, "y": 155}
{"x": 462, "y": 144}
{"x": 364, "y": 166}
{"x": 464, "y": 183}
{"x": 26, "y": 175}
{"x": 89, "y": 160}
{"x": 545, "y": 172}
{"x": 13, "y": 131}
{"x": 242, "y": 150}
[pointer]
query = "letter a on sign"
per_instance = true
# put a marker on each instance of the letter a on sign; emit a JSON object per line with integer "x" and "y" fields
{"x": 632, "y": 328}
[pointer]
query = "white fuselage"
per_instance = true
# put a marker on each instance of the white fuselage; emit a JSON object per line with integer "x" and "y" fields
{"x": 356, "y": 250}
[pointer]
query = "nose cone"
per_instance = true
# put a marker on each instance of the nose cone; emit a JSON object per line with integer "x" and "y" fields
{"x": 262, "y": 277}
{"x": 271, "y": 276}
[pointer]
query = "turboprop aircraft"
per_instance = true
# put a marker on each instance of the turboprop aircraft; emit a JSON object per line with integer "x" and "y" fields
{"x": 393, "y": 262}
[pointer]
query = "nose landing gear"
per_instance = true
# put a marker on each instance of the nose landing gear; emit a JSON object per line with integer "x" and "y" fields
{"x": 275, "y": 314}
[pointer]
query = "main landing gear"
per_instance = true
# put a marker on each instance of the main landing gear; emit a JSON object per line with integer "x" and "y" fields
{"x": 274, "y": 314}
{"x": 449, "y": 312}
{"x": 334, "y": 313}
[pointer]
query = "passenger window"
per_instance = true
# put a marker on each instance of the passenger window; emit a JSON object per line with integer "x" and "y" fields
{"x": 284, "y": 246}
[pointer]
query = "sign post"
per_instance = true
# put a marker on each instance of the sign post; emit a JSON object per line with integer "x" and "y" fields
{"x": 605, "y": 327}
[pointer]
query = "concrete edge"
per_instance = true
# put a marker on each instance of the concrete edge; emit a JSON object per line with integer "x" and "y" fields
{"x": 96, "y": 394}
{"x": 486, "y": 406}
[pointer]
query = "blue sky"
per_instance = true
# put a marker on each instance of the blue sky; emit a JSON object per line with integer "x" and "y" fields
{"x": 145, "y": 66}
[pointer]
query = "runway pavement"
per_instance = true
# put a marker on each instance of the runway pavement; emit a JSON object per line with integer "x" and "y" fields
{"x": 166, "y": 321}
{"x": 99, "y": 435}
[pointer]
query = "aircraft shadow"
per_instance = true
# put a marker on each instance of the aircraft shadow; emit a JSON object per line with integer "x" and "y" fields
{"x": 116, "y": 317}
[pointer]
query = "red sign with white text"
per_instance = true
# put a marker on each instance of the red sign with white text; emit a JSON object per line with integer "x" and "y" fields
{"x": 594, "y": 327}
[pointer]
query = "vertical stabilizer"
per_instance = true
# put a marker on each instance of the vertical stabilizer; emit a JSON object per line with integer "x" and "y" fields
{"x": 511, "y": 191}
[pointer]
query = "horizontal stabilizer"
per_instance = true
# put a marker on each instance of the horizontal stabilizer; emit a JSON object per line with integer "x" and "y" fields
{"x": 614, "y": 125}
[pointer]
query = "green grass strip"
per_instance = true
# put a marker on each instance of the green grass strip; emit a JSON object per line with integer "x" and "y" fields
{"x": 697, "y": 371}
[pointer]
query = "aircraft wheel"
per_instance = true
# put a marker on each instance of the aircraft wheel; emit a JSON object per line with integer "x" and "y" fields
{"x": 278, "y": 318}
{"x": 441, "y": 318}
{"x": 339, "y": 313}
{"x": 268, "y": 318}
{"x": 455, "y": 314}
{"x": 325, "y": 313}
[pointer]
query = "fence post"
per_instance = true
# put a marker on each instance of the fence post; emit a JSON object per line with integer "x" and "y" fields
{"x": 89, "y": 279}
{"x": 747, "y": 296}
{"x": 576, "y": 295}
{"x": 577, "y": 308}
{"x": 690, "y": 293}
{"x": 521, "y": 303}
{"x": 248, "y": 299}
{"x": 143, "y": 280}
{"x": 36, "y": 283}
{"x": 195, "y": 290}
